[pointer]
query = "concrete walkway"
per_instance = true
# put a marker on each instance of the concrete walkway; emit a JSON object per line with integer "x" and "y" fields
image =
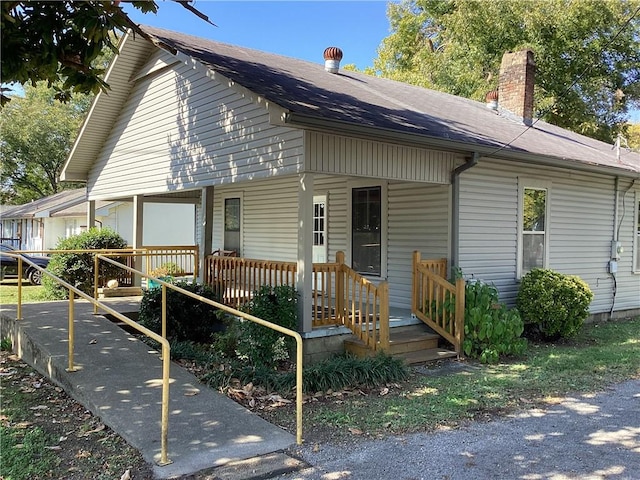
{"x": 119, "y": 380}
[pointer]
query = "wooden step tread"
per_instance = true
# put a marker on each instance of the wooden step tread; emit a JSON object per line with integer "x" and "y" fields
{"x": 411, "y": 336}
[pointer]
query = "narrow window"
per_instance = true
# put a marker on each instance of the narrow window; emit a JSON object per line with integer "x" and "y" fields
{"x": 232, "y": 224}
{"x": 534, "y": 228}
{"x": 366, "y": 230}
{"x": 318, "y": 224}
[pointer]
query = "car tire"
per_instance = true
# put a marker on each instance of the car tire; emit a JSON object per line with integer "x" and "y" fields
{"x": 35, "y": 276}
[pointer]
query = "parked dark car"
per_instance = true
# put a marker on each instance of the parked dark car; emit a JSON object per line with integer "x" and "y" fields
{"x": 9, "y": 266}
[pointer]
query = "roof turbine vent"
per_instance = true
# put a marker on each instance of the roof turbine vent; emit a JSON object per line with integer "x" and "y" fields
{"x": 332, "y": 57}
{"x": 492, "y": 99}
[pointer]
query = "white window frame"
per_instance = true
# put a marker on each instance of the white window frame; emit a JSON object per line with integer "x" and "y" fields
{"x": 537, "y": 184}
{"x": 636, "y": 233}
{"x": 383, "y": 223}
{"x": 225, "y": 197}
{"x": 321, "y": 198}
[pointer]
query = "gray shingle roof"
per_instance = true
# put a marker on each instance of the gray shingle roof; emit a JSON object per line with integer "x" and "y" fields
{"x": 64, "y": 199}
{"x": 305, "y": 89}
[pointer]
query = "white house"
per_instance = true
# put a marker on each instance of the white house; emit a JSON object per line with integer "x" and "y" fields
{"x": 38, "y": 225}
{"x": 290, "y": 162}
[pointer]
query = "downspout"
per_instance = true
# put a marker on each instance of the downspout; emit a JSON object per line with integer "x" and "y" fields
{"x": 455, "y": 192}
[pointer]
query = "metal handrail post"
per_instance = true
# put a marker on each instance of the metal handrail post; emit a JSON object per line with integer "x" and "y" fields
{"x": 96, "y": 279}
{"x": 299, "y": 361}
{"x": 164, "y": 311}
{"x": 164, "y": 428}
{"x": 72, "y": 367}
{"x": 19, "y": 308}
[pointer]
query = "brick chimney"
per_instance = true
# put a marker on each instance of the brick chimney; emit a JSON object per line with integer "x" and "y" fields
{"x": 517, "y": 79}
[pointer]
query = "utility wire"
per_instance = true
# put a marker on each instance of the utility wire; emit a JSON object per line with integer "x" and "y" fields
{"x": 566, "y": 90}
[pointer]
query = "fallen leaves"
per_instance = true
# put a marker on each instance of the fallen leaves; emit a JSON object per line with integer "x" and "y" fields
{"x": 99, "y": 428}
{"x": 79, "y": 441}
{"x": 256, "y": 397}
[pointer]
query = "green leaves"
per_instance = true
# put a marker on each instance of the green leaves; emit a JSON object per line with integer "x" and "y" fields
{"x": 61, "y": 42}
{"x": 490, "y": 329}
{"x": 557, "y": 304}
{"x": 78, "y": 268}
{"x": 37, "y": 134}
{"x": 586, "y": 54}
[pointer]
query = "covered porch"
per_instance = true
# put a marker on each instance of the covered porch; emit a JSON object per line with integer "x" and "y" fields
{"x": 354, "y": 309}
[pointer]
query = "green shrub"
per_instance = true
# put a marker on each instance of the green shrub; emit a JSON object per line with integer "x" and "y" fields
{"x": 490, "y": 328}
{"x": 260, "y": 345}
{"x": 335, "y": 373}
{"x": 187, "y": 319}
{"x": 77, "y": 268}
{"x": 554, "y": 304}
{"x": 169, "y": 269}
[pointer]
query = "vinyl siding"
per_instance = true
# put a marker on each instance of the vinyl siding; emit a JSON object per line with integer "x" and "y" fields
{"x": 269, "y": 211}
{"x": 628, "y": 280}
{"x": 580, "y": 229}
{"x": 366, "y": 158}
{"x": 336, "y": 191}
{"x": 180, "y": 129}
{"x": 418, "y": 220}
{"x": 488, "y": 227}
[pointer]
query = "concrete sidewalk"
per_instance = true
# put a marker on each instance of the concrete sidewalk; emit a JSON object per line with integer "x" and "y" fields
{"x": 120, "y": 380}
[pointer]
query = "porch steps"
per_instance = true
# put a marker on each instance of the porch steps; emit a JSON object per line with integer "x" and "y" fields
{"x": 414, "y": 344}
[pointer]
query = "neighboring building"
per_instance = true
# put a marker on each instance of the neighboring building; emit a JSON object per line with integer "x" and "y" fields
{"x": 38, "y": 225}
{"x": 289, "y": 162}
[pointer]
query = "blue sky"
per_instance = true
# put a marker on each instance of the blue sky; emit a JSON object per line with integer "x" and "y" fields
{"x": 299, "y": 29}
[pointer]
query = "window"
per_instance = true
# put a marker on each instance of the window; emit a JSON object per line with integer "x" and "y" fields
{"x": 533, "y": 222}
{"x": 366, "y": 230}
{"x": 318, "y": 223}
{"x": 232, "y": 224}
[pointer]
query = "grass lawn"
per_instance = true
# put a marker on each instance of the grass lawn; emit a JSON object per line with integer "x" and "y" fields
{"x": 9, "y": 292}
{"x": 454, "y": 392}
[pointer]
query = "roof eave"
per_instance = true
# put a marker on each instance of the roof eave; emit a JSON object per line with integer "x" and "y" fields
{"x": 378, "y": 133}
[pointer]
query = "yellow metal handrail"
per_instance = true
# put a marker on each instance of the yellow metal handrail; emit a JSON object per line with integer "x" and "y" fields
{"x": 183, "y": 256}
{"x": 166, "y": 349}
{"x": 237, "y": 313}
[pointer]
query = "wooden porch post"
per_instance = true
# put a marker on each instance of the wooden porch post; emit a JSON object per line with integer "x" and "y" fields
{"x": 414, "y": 281}
{"x": 384, "y": 316}
{"x": 91, "y": 214}
{"x": 205, "y": 242}
{"x": 304, "y": 270}
{"x": 340, "y": 287}
{"x": 138, "y": 221}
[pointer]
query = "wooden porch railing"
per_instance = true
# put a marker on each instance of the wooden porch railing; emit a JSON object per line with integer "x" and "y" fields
{"x": 242, "y": 277}
{"x": 362, "y": 306}
{"x": 436, "y": 301}
{"x": 341, "y": 296}
{"x": 184, "y": 258}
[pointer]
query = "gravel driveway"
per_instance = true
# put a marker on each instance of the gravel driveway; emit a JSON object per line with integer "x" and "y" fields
{"x": 584, "y": 437}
